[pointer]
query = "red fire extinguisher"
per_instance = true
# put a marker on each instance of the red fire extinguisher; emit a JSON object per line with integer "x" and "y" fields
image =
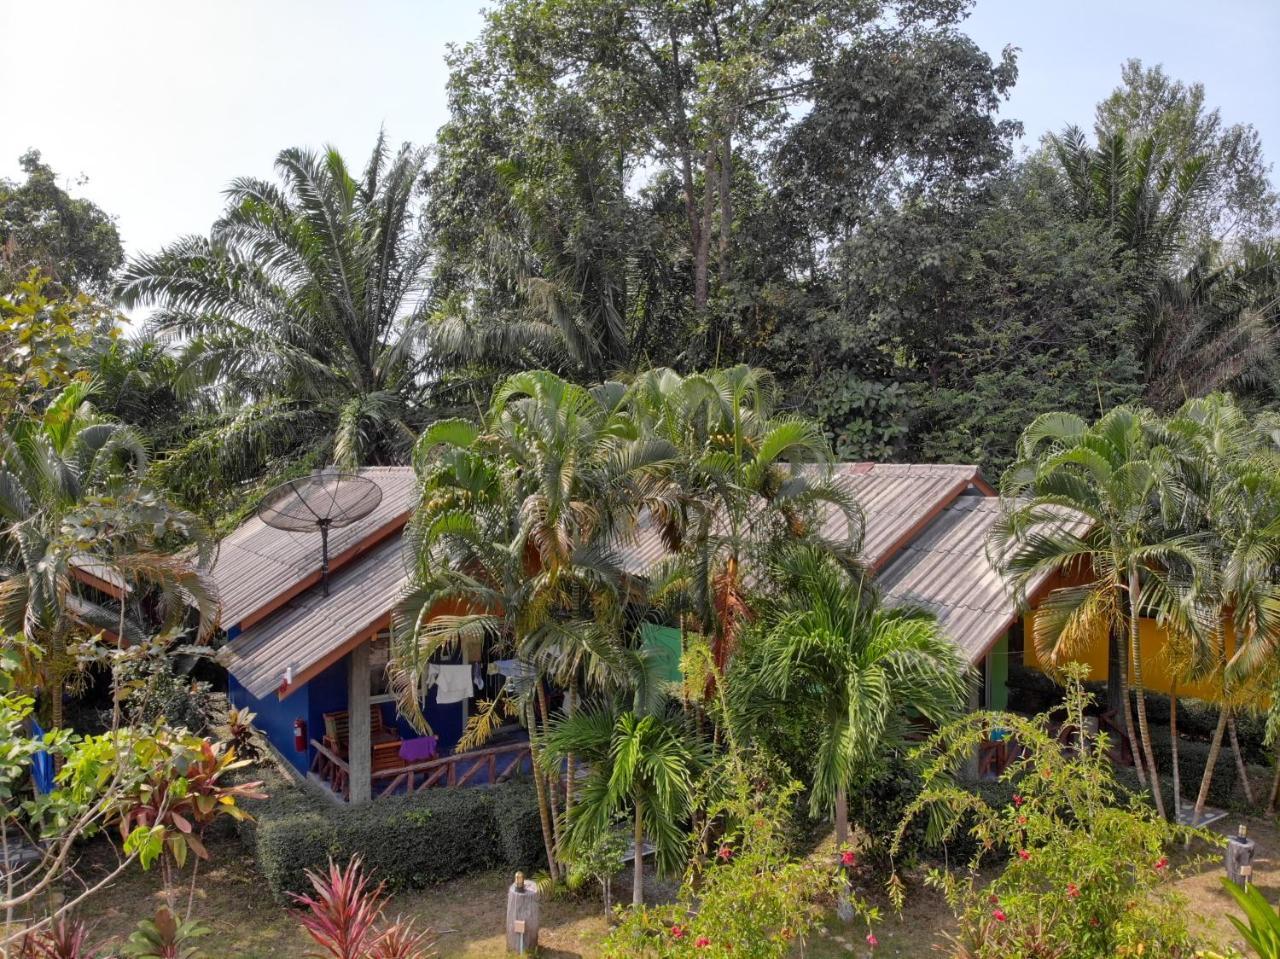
{"x": 300, "y": 735}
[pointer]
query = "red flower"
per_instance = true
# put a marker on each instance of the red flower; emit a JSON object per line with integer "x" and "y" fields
{"x": 847, "y": 858}
{"x": 993, "y": 899}
{"x": 999, "y": 915}
{"x": 702, "y": 942}
{"x": 725, "y": 854}
{"x": 1022, "y": 820}
{"x": 1017, "y": 800}
{"x": 1073, "y": 890}
{"x": 1023, "y": 855}
{"x": 1162, "y": 863}
{"x": 872, "y": 941}
{"x": 677, "y": 932}
{"x": 1093, "y": 920}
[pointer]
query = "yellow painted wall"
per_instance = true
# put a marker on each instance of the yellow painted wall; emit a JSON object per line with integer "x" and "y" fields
{"x": 1155, "y": 663}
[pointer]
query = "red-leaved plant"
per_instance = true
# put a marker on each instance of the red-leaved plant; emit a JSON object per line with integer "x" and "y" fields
{"x": 64, "y": 939}
{"x": 343, "y": 918}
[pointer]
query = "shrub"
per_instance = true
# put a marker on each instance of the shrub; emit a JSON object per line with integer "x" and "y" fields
{"x": 407, "y": 841}
{"x": 748, "y": 899}
{"x": 1087, "y": 875}
{"x": 515, "y": 811}
{"x": 879, "y": 806}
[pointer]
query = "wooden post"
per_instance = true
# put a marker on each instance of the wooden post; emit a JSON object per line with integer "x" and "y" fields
{"x": 1238, "y": 858}
{"x": 522, "y": 917}
{"x": 359, "y": 747}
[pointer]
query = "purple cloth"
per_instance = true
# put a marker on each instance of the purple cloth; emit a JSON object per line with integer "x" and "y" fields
{"x": 419, "y": 750}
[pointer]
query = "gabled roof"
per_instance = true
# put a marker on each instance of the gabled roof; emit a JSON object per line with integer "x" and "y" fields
{"x": 259, "y": 568}
{"x": 946, "y": 570}
{"x": 898, "y": 500}
{"x": 308, "y": 632}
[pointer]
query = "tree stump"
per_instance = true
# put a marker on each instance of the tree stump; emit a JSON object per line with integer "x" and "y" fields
{"x": 522, "y": 916}
{"x": 1238, "y": 859}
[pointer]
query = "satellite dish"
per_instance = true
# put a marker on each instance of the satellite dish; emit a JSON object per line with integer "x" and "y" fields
{"x": 325, "y": 500}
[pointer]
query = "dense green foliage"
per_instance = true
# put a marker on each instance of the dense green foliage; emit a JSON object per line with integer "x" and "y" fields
{"x": 1087, "y": 868}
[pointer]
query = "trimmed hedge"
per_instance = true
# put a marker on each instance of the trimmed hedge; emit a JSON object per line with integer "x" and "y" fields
{"x": 406, "y": 841}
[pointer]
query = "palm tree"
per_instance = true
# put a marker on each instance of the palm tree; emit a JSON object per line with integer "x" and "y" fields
{"x": 515, "y": 528}
{"x": 1102, "y": 506}
{"x": 305, "y": 308}
{"x": 640, "y": 764}
{"x": 1143, "y": 193}
{"x": 857, "y": 671}
{"x": 1213, "y": 327}
{"x": 745, "y": 482}
{"x": 1236, "y": 504}
{"x": 71, "y": 500}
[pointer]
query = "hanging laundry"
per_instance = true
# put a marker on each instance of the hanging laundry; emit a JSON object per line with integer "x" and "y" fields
{"x": 453, "y": 684}
{"x": 477, "y": 676}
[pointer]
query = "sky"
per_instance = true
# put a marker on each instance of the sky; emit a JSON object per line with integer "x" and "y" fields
{"x": 157, "y": 104}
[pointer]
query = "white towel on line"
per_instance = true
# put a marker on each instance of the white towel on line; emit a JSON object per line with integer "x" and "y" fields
{"x": 453, "y": 683}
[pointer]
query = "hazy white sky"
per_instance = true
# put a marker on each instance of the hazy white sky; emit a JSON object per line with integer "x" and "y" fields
{"x": 160, "y": 102}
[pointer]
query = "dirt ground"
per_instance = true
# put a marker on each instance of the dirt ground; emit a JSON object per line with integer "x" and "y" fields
{"x": 467, "y": 914}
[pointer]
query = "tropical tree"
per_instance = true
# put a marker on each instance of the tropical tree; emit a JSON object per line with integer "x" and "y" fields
{"x": 1236, "y": 505}
{"x": 641, "y": 765}
{"x": 1139, "y": 186}
{"x": 305, "y": 306}
{"x": 1213, "y": 327}
{"x": 1100, "y": 505}
{"x": 745, "y": 482}
{"x": 857, "y": 672}
{"x": 71, "y": 503}
{"x": 514, "y": 545}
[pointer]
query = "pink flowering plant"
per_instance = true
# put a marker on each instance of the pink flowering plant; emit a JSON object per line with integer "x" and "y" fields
{"x": 1085, "y": 870}
{"x": 743, "y": 896}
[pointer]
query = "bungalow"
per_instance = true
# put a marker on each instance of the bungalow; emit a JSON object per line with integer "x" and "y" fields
{"x": 312, "y": 666}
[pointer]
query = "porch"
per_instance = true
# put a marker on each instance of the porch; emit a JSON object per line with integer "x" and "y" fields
{"x": 487, "y": 766}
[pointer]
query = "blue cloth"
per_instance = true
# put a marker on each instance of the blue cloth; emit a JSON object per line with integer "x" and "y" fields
{"x": 42, "y": 763}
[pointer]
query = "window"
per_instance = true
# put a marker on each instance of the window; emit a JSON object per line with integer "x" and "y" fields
{"x": 379, "y": 656}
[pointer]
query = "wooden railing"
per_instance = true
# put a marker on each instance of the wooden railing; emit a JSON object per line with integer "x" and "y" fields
{"x": 332, "y": 769}
{"x": 498, "y": 763}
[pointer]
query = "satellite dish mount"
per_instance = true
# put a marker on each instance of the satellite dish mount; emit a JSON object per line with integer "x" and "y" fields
{"x": 327, "y": 499}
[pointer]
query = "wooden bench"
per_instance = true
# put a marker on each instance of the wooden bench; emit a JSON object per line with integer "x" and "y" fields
{"x": 384, "y": 741}
{"x": 337, "y": 730}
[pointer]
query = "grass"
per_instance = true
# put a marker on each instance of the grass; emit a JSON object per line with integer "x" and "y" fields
{"x": 468, "y": 914}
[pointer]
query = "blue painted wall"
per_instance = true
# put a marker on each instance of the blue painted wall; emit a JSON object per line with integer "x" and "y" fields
{"x": 327, "y": 693}
{"x": 275, "y": 718}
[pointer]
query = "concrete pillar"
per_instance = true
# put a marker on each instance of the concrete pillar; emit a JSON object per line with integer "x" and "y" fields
{"x": 359, "y": 749}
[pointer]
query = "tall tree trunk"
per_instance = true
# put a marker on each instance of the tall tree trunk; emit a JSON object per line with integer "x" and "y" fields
{"x": 544, "y": 805}
{"x": 702, "y": 252}
{"x": 1126, "y": 719}
{"x": 1215, "y": 748}
{"x": 1135, "y": 658}
{"x": 680, "y": 129}
{"x": 844, "y": 907}
{"x": 571, "y": 704}
{"x": 553, "y": 781}
{"x": 842, "y": 818}
{"x": 1173, "y": 749}
{"x": 1274, "y": 796}
{"x": 637, "y": 867}
{"x": 1241, "y": 768}
{"x": 726, "y": 201}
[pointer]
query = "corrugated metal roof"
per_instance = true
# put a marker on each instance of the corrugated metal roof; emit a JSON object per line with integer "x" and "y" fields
{"x": 257, "y": 564}
{"x": 312, "y": 626}
{"x": 946, "y": 571}
{"x": 897, "y": 499}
